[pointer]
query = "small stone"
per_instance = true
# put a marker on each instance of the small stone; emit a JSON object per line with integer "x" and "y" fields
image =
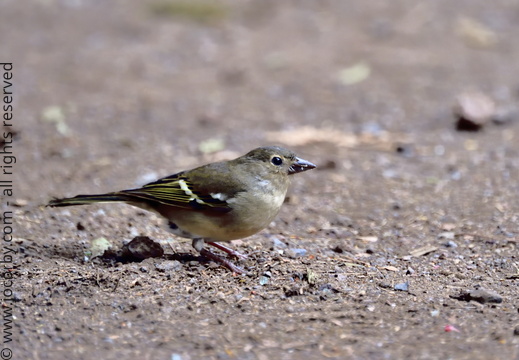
{"x": 20, "y": 202}
{"x": 402, "y": 286}
{"x": 516, "y": 331}
{"x": 311, "y": 277}
{"x": 327, "y": 290}
{"x": 295, "y": 253}
{"x": 278, "y": 244}
{"x": 451, "y": 244}
{"x": 405, "y": 150}
{"x": 384, "y": 285}
{"x": 142, "y": 247}
{"x": 390, "y": 173}
{"x": 17, "y": 297}
{"x": 484, "y": 296}
{"x": 505, "y": 115}
{"x": 167, "y": 266}
{"x": 339, "y": 220}
{"x": 480, "y": 295}
{"x": 449, "y": 235}
{"x": 338, "y": 249}
{"x": 265, "y": 278}
{"x": 473, "y": 110}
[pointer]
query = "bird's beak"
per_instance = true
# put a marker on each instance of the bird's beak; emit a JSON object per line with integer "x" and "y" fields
{"x": 300, "y": 165}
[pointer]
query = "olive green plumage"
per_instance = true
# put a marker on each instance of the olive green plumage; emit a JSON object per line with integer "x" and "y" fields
{"x": 220, "y": 201}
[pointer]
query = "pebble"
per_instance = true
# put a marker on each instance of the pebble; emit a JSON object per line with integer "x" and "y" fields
{"x": 505, "y": 115}
{"x": 278, "y": 244}
{"x": 402, "y": 286}
{"x": 142, "y": 247}
{"x": 480, "y": 295}
{"x": 405, "y": 150}
{"x": 327, "y": 290}
{"x": 451, "y": 244}
{"x": 384, "y": 285}
{"x": 295, "y": 253}
{"x": 449, "y": 235}
{"x": 473, "y": 110}
{"x": 167, "y": 266}
{"x": 17, "y": 296}
{"x": 410, "y": 271}
{"x": 484, "y": 296}
{"x": 265, "y": 278}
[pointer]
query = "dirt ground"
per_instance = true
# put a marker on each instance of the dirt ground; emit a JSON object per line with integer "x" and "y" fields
{"x": 402, "y": 245}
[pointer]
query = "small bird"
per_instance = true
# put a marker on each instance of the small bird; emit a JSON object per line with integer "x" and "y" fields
{"x": 217, "y": 202}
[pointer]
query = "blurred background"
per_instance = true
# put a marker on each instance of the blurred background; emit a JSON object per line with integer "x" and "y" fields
{"x": 144, "y": 88}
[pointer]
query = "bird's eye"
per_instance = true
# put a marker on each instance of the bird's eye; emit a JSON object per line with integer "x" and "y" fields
{"x": 276, "y": 160}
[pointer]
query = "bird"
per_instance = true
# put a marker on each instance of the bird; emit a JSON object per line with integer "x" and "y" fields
{"x": 216, "y": 202}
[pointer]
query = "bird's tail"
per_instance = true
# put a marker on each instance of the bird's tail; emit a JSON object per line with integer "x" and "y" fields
{"x": 88, "y": 199}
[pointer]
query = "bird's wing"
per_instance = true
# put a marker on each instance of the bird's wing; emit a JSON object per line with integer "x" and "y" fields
{"x": 177, "y": 190}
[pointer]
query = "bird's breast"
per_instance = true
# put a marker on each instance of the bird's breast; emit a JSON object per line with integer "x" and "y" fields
{"x": 251, "y": 212}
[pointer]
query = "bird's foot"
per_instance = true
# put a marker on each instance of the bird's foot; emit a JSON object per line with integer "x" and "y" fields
{"x": 228, "y": 250}
{"x": 228, "y": 264}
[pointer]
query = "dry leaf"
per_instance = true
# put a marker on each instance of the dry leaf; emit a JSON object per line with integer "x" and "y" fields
{"x": 305, "y": 135}
{"x": 354, "y": 74}
{"x": 424, "y": 250}
{"x": 367, "y": 238}
{"x": 390, "y": 268}
{"x": 308, "y": 134}
{"x": 211, "y": 145}
{"x": 475, "y": 33}
{"x": 55, "y": 115}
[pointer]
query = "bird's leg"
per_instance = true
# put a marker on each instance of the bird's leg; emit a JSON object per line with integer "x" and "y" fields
{"x": 198, "y": 244}
{"x": 228, "y": 250}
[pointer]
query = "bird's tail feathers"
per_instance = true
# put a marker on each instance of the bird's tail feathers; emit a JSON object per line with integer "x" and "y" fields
{"x": 89, "y": 199}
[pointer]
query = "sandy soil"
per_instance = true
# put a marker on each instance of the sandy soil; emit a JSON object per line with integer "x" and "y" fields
{"x": 402, "y": 245}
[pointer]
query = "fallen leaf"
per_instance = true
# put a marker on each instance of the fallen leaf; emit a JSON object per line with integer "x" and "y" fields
{"x": 211, "y": 145}
{"x": 99, "y": 246}
{"x": 367, "y": 238}
{"x": 55, "y": 115}
{"x": 354, "y": 74}
{"x": 389, "y": 268}
{"x": 309, "y": 134}
{"x": 476, "y": 34}
{"x": 424, "y": 250}
{"x": 382, "y": 140}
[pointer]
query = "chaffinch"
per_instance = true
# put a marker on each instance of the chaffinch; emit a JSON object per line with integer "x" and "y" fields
{"x": 221, "y": 201}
